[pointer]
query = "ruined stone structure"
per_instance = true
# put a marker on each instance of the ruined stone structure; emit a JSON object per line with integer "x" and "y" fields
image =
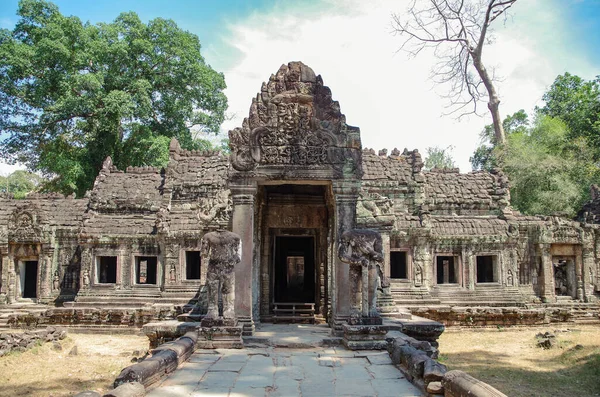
{"x": 297, "y": 178}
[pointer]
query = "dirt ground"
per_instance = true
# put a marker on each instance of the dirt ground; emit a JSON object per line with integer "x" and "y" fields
{"x": 46, "y": 371}
{"x": 508, "y": 359}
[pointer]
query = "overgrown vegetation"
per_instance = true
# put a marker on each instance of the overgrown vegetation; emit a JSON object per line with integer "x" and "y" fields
{"x": 438, "y": 157}
{"x": 20, "y": 183}
{"x": 552, "y": 160}
{"x": 73, "y": 93}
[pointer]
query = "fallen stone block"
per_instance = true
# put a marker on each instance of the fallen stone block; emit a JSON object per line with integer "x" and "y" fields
{"x": 460, "y": 384}
{"x": 150, "y": 370}
{"x": 433, "y": 371}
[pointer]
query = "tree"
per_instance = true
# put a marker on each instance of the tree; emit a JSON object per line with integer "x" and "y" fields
{"x": 19, "y": 183}
{"x": 484, "y": 157}
{"x": 549, "y": 172}
{"x": 457, "y": 31}
{"x": 439, "y": 158}
{"x": 576, "y": 102}
{"x": 72, "y": 93}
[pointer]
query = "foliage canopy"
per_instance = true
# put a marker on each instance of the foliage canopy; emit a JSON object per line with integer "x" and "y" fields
{"x": 73, "y": 93}
{"x": 19, "y": 183}
{"x": 552, "y": 161}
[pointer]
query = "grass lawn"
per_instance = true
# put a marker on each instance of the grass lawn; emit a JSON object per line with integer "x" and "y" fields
{"x": 508, "y": 359}
{"x": 45, "y": 371}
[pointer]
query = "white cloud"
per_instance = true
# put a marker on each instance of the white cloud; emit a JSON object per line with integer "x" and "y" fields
{"x": 385, "y": 94}
{"x": 7, "y": 169}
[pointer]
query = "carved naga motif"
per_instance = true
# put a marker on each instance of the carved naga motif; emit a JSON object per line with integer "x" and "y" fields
{"x": 292, "y": 121}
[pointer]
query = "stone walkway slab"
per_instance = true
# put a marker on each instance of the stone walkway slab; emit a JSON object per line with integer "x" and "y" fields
{"x": 284, "y": 372}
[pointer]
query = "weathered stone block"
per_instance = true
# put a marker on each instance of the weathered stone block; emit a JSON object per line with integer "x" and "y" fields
{"x": 433, "y": 371}
{"x": 460, "y": 384}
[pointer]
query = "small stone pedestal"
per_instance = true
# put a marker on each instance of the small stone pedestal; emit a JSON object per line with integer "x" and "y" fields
{"x": 366, "y": 333}
{"x": 221, "y": 333}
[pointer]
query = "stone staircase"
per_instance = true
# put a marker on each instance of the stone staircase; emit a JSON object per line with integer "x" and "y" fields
{"x": 492, "y": 295}
{"x": 406, "y": 296}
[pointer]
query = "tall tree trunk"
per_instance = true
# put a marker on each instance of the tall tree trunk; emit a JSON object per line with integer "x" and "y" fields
{"x": 494, "y": 101}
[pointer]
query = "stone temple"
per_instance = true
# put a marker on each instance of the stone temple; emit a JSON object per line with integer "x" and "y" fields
{"x": 296, "y": 179}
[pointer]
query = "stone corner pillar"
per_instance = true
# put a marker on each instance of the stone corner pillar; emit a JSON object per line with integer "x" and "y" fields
{"x": 546, "y": 280}
{"x": 345, "y": 195}
{"x": 244, "y": 201}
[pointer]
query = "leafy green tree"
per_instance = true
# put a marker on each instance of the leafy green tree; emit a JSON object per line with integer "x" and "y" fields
{"x": 19, "y": 183}
{"x": 439, "y": 158}
{"x": 484, "y": 157}
{"x": 576, "y": 102}
{"x": 549, "y": 172}
{"x": 72, "y": 93}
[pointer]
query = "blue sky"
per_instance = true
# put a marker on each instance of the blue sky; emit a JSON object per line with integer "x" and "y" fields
{"x": 348, "y": 42}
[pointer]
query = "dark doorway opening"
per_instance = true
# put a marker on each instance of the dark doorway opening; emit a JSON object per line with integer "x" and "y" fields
{"x": 30, "y": 285}
{"x": 398, "y": 265}
{"x": 485, "y": 269}
{"x": 294, "y": 269}
{"x": 445, "y": 269}
{"x": 107, "y": 269}
{"x": 192, "y": 265}
{"x": 145, "y": 269}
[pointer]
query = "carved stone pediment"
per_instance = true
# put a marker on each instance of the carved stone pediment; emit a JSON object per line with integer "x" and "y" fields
{"x": 24, "y": 226}
{"x": 294, "y": 122}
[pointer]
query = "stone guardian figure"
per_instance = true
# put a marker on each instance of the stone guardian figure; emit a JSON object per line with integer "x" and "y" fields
{"x": 222, "y": 249}
{"x": 362, "y": 249}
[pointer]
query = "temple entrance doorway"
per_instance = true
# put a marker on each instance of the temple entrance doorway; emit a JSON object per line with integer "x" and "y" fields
{"x": 565, "y": 278}
{"x": 28, "y": 271}
{"x": 295, "y": 242}
{"x": 294, "y": 269}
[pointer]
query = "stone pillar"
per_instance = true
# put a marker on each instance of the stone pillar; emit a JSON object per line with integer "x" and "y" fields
{"x": 385, "y": 241}
{"x": 244, "y": 198}
{"x": 44, "y": 292}
{"x": 546, "y": 280}
{"x": 345, "y": 194}
{"x": 4, "y": 268}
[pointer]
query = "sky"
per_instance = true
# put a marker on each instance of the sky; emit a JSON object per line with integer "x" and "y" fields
{"x": 350, "y": 44}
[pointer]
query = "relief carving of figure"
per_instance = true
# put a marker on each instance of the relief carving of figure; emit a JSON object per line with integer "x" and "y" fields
{"x": 172, "y": 273}
{"x": 56, "y": 282}
{"x": 362, "y": 249}
{"x": 222, "y": 248}
{"x": 211, "y": 208}
{"x": 418, "y": 276}
{"x": 86, "y": 278}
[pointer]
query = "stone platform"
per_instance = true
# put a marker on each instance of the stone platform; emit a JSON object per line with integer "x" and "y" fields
{"x": 275, "y": 372}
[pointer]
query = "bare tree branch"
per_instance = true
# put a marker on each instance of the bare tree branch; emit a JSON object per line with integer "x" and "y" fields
{"x": 456, "y": 31}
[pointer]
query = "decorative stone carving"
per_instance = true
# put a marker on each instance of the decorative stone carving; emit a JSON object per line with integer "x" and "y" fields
{"x": 215, "y": 209}
{"x": 294, "y": 121}
{"x": 374, "y": 209}
{"x": 86, "y": 278}
{"x": 222, "y": 248}
{"x": 23, "y": 226}
{"x": 362, "y": 249}
{"x": 56, "y": 281}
